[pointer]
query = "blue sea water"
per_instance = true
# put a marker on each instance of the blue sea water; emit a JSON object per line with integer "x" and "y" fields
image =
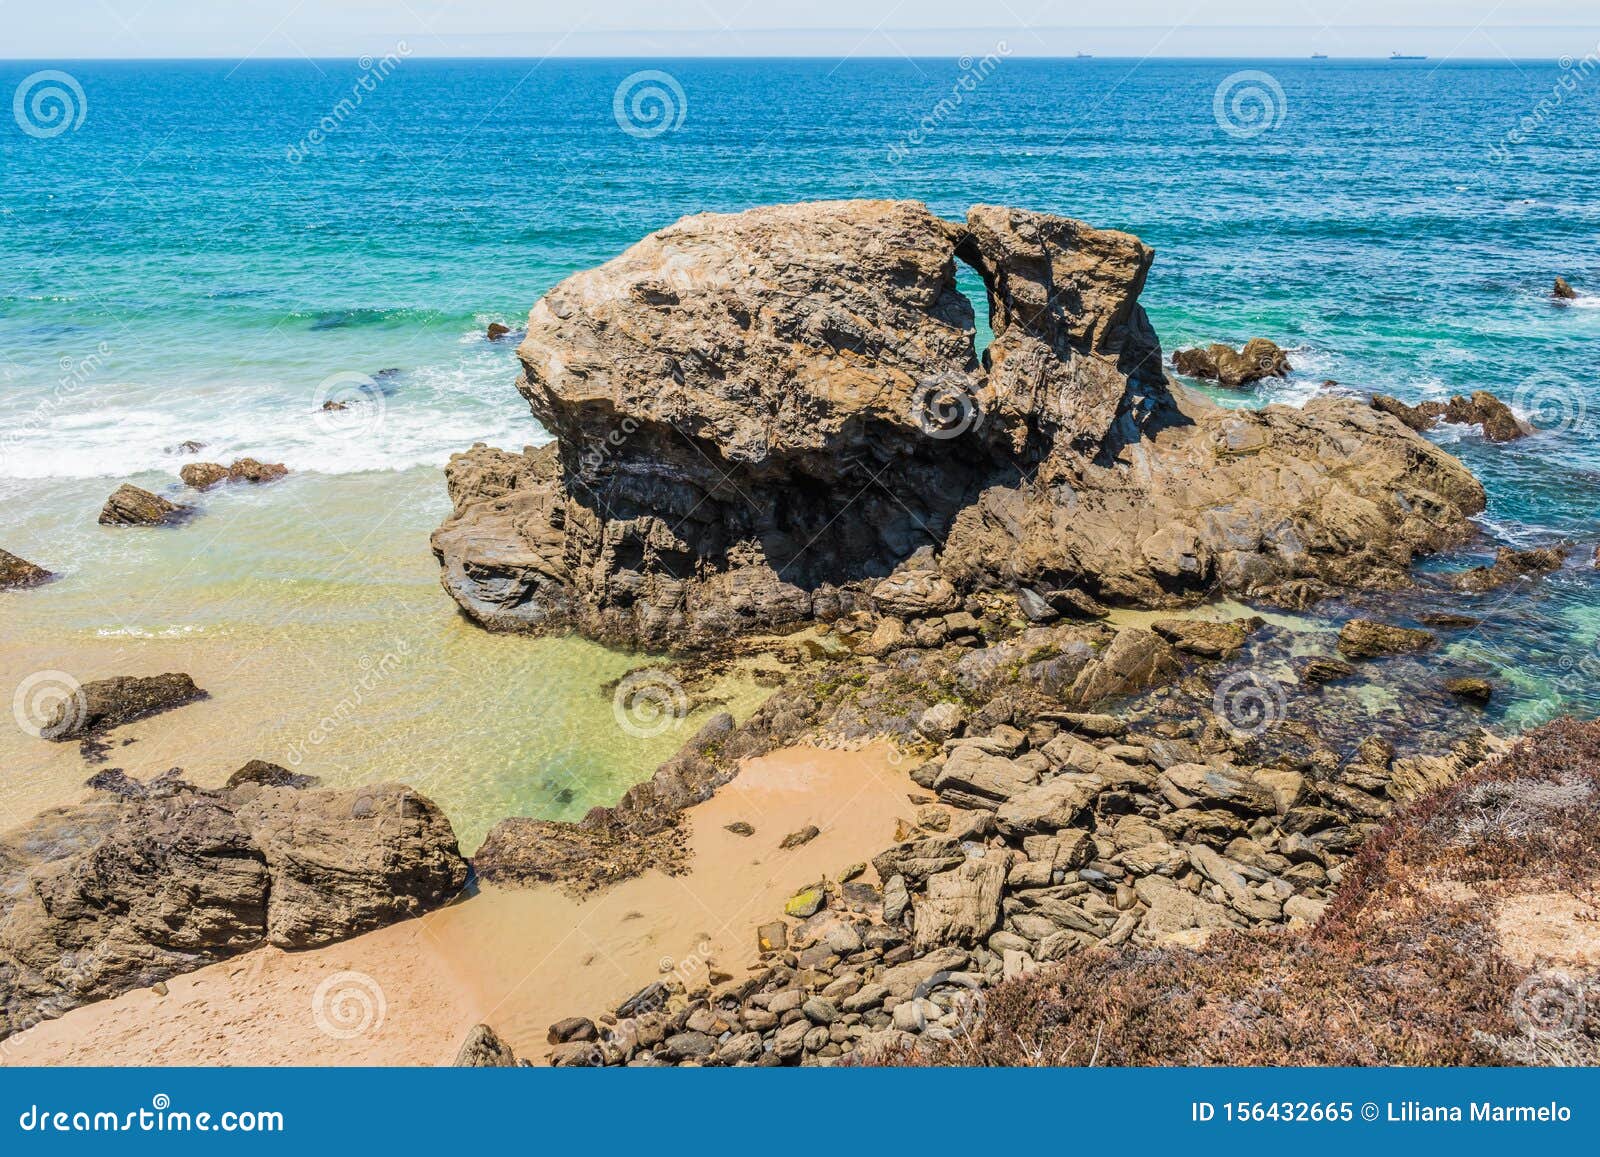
{"x": 215, "y": 241}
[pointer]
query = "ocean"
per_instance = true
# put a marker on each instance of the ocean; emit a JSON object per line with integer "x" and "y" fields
{"x": 208, "y": 251}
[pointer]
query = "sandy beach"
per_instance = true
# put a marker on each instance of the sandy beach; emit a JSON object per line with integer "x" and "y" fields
{"x": 515, "y": 959}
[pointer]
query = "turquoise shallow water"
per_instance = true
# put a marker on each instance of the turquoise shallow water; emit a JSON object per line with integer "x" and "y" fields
{"x": 188, "y": 263}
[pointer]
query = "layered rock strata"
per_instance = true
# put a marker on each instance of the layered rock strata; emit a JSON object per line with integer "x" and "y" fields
{"x": 780, "y": 415}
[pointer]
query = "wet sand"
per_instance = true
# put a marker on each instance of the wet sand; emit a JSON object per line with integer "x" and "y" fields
{"x": 517, "y": 959}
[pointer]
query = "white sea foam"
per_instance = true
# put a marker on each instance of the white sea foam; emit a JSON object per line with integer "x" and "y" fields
{"x": 417, "y": 418}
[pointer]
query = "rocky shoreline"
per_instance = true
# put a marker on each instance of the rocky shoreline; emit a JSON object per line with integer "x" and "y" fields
{"x": 776, "y": 436}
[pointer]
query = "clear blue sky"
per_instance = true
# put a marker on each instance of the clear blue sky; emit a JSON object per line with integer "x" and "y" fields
{"x": 64, "y": 29}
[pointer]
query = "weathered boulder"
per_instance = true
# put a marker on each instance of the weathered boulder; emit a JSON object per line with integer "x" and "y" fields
{"x": 974, "y": 778}
{"x": 961, "y": 906}
{"x": 1563, "y": 291}
{"x": 1365, "y": 639}
{"x": 16, "y": 573}
{"x": 1135, "y": 659}
{"x": 771, "y": 415}
{"x": 102, "y": 704}
{"x": 483, "y": 1049}
{"x": 1258, "y": 359}
{"x": 156, "y": 879}
{"x": 131, "y": 506}
{"x": 344, "y": 862}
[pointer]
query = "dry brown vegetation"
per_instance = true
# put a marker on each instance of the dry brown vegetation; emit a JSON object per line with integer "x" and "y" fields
{"x": 1406, "y": 967}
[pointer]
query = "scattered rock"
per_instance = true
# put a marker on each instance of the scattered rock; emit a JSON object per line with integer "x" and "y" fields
{"x": 1258, "y": 359}
{"x": 570, "y": 1029}
{"x": 804, "y": 836}
{"x": 497, "y": 330}
{"x": 205, "y": 475}
{"x": 131, "y": 506}
{"x": 1563, "y": 291}
{"x": 1365, "y": 639}
{"x": 806, "y": 902}
{"x": 16, "y": 573}
{"x": 739, "y": 828}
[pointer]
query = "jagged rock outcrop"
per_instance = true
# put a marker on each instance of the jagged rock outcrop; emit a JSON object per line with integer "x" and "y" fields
{"x": 760, "y": 417}
{"x": 1258, "y": 359}
{"x": 1482, "y": 409}
{"x": 145, "y": 881}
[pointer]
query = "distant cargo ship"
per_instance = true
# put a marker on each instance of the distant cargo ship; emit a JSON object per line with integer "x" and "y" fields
{"x": 1405, "y": 56}
{"x": 1085, "y": 56}
{"x": 1319, "y": 56}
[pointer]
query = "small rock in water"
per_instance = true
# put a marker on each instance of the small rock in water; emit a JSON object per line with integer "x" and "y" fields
{"x": 1563, "y": 291}
{"x": 1447, "y": 619}
{"x": 333, "y": 407}
{"x": 1472, "y": 689}
{"x": 16, "y": 573}
{"x": 105, "y": 703}
{"x": 804, "y": 836}
{"x": 1258, "y": 359}
{"x": 1317, "y": 671}
{"x": 497, "y": 330}
{"x": 203, "y": 475}
{"x": 131, "y": 506}
{"x": 1365, "y": 639}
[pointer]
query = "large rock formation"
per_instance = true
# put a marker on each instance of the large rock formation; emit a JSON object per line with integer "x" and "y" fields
{"x": 145, "y": 881}
{"x": 760, "y": 416}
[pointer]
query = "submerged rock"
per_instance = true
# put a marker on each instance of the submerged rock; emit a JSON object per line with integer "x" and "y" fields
{"x": 1471, "y": 688}
{"x": 16, "y": 573}
{"x": 1258, "y": 359}
{"x": 131, "y": 506}
{"x": 102, "y": 704}
{"x": 128, "y": 888}
{"x": 1365, "y": 639}
{"x": 1510, "y": 565}
{"x": 775, "y": 415}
